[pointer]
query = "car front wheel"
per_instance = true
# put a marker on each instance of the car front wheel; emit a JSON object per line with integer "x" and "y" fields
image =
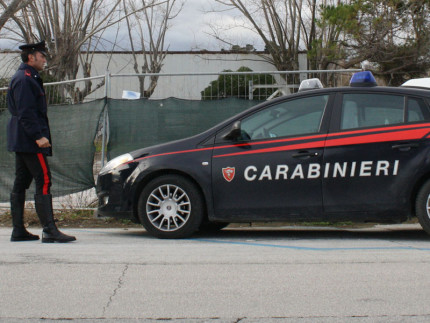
{"x": 422, "y": 206}
{"x": 171, "y": 206}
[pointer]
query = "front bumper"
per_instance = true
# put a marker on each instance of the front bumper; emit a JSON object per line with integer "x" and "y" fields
{"x": 109, "y": 209}
{"x": 114, "y": 195}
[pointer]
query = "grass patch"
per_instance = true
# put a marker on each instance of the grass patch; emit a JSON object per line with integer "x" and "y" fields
{"x": 70, "y": 219}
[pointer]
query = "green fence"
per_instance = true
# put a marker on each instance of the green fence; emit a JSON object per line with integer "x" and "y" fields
{"x": 77, "y": 127}
{"x": 143, "y": 123}
{"x": 132, "y": 124}
{"x": 73, "y": 129}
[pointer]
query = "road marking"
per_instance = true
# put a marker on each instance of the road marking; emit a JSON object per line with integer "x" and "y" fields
{"x": 255, "y": 244}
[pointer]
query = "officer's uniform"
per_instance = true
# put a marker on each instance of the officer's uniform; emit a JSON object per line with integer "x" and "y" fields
{"x": 29, "y": 123}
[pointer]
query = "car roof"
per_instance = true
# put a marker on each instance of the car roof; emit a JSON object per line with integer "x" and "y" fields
{"x": 403, "y": 90}
{"x": 423, "y": 83}
{"x": 345, "y": 89}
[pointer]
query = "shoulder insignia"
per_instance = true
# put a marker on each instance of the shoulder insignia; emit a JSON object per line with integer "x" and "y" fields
{"x": 27, "y": 73}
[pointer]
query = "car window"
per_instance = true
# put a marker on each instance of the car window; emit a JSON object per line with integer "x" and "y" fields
{"x": 368, "y": 110}
{"x": 288, "y": 118}
{"x": 417, "y": 110}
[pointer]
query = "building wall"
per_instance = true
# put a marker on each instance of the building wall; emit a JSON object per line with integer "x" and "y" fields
{"x": 186, "y": 86}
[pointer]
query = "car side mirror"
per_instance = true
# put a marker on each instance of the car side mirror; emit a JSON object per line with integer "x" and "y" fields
{"x": 234, "y": 133}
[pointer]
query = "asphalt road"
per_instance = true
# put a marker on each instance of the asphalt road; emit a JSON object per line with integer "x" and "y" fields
{"x": 251, "y": 275}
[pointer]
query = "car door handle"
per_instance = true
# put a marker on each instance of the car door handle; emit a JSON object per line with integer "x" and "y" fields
{"x": 405, "y": 147}
{"x": 305, "y": 154}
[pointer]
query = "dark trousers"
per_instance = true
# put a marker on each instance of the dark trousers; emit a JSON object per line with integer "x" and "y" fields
{"x": 29, "y": 166}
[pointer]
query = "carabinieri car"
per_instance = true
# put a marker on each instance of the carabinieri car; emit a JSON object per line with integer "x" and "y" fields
{"x": 358, "y": 153}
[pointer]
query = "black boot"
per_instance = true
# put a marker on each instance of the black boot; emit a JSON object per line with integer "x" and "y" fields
{"x": 46, "y": 217}
{"x": 19, "y": 232}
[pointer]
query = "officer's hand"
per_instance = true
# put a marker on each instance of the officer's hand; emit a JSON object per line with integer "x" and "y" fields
{"x": 43, "y": 142}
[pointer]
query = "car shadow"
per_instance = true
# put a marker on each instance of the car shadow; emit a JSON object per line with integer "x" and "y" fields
{"x": 394, "y": 233}
{"x": 291, "y": 233}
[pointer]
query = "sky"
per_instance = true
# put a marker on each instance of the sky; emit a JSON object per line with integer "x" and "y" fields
{"x": 191, "y": 30}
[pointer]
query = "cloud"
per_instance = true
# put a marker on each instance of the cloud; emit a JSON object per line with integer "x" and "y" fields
{"x": 191, "y": 29}
{"x": 195, "y": 25}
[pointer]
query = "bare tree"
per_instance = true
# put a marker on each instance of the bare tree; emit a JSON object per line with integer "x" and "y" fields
{"x": 10, "y": 9}
{"x": 278, "y": 23}
{"x": 321, "y": 38}
{"x": 147, "y": 31}
{"x": 290, "y": 26}
{"x": 73, "y": 30}
{"x": 399, "y": 41}
{"x": 393, "y": 34}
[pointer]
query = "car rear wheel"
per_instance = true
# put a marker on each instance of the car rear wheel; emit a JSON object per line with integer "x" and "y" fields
{"x": 422, "y": 206}
{"x": 171, "y": 206}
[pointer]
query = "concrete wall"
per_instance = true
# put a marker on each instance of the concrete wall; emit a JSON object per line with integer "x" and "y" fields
{"x": 188, "y": 87}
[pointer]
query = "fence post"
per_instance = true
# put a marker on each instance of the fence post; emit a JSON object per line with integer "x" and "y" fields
{"x": 107, "y": 84}
{"x": 104, "y": 131}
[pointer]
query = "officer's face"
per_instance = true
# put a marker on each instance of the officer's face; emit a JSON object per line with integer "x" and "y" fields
{"x": 37, "y": 60}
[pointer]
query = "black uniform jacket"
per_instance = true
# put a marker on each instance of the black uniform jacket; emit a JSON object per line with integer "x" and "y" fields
{"x": 27, "y": 104}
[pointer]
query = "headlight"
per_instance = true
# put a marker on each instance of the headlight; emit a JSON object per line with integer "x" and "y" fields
{"x": 114, "y": 163}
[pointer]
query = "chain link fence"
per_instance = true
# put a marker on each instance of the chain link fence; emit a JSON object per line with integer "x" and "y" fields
{"x": 203, "y": 87}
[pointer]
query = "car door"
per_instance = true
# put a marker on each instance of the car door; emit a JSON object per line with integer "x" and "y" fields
{"x": 374, "y": 154}
{"x": 272, "y": 171}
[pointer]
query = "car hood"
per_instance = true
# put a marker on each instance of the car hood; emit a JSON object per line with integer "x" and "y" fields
{"x": 171, "y": 146}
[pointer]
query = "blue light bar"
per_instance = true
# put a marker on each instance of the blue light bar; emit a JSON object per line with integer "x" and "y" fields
{"x": 363, "y": 79}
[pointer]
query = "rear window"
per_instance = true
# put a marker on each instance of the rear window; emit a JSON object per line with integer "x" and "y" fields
{"x": 370, "y": 110}
{"x": 417, "y": 110}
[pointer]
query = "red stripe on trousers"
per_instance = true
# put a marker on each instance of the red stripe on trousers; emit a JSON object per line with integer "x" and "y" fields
{"x": 45, "y": 174}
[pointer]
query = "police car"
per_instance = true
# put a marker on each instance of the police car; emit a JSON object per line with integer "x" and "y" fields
{"x": 358, "y": 153}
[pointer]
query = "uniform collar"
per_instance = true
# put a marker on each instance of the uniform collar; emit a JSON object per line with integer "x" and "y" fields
{"x": 33, "y": 71}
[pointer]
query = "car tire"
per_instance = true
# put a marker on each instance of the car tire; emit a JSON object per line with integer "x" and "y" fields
{"x": 422, "y": 206}
{"x": 171, "y": 207}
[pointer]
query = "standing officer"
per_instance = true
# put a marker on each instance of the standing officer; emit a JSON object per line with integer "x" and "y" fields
{"x": 28, "y": 135}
